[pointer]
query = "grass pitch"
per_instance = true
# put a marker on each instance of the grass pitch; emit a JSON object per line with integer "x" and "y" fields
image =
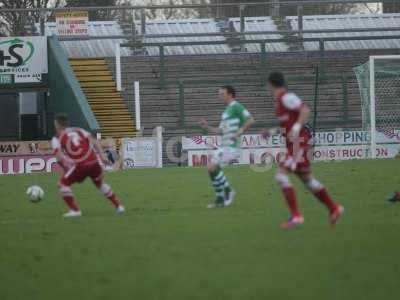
{"x": 169, "y": 246}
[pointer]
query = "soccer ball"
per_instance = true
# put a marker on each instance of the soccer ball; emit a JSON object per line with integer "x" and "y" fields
{"x": 35, "y": 193}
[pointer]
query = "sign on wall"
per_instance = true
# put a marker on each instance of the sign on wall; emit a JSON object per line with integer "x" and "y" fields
{"x": 74, "y": 23}
{"x": 141, "y": 153}
{"x": 37, "y": 156}
{"x": 22, "y": 59}
{"x": 329, "y": 146}
{"x": 26, "y": 157}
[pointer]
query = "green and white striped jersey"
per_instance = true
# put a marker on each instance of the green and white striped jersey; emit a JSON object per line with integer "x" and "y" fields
{"x": 233, "y": 118}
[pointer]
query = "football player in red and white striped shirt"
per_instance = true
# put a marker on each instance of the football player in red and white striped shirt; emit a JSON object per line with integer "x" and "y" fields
{"x": 293, "y": 114}
{"x": 78, "y": 154}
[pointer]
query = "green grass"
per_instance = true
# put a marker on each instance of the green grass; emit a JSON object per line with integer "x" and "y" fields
{"x": 168, "y": 246}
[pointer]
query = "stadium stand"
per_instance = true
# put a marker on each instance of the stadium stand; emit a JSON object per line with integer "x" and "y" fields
{"x": 261, "y": 24}
{"x": 350, "y": 22}
{"x": 86, "y": 48}
{"x": 105, "y": 101}
{"x": 86, "y": 58}
{"x": 185, "y": 26}
{"x": 193, "y": 73}
{"x": 243, "y": 70}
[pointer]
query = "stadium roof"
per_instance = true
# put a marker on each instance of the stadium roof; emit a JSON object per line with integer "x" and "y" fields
{"x": 93, "y": 48}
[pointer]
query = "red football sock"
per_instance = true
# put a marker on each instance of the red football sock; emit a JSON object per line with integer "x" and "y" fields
{"x": 70, "y": 201}
{"x": 108, "y": 193}
{"x": 324, "y": 197}
{"x": 291, "y": 201}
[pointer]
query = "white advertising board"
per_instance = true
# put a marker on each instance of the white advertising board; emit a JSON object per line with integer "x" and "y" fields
{"x": 23, "y": 59}
{"x": 141, "y": 153}
{"x": 333, "y": 145}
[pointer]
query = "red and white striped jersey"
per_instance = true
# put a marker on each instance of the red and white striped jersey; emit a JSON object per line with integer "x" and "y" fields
{"x": 75, "y": 145}
{"x": 288, "y": 107}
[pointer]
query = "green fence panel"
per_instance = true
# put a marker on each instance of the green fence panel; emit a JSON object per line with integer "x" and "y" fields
{"x": 66, "y": 95}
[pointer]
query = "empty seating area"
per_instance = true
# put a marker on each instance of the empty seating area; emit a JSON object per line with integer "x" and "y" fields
{"x": 254, "y": 24}
{"x": 350, "y": 22}
{"x": 259, "y": 24}
{"x": 191, "y": 26}
{"x": 106, "y": 47}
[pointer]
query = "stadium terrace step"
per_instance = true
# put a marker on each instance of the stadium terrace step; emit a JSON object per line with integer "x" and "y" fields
{"x": 106, "y": 106}
{"x": 119, "y": 123}
{"x": 86, "y": 78}
{"x": 79, "y": 68}
{"x": 100, "y": 84}
{"x": 93, "y": 73}
{"x": 95, "y": 90}
{"x": 104, "y": 95}
{"x": 115, "y": 113}
{"x": 87, "y": 62}
{"x": 105, "y": 101}
{"x": 122, "y": 118}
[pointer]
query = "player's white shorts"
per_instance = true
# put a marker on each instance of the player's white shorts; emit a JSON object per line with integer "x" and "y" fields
{"x": 226, "y": 156}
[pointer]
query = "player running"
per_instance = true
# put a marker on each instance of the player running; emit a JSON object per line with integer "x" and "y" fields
{"x": 78, "y": 154}
{"x": 292, "y": 115}
{"x": 236, "y": 119}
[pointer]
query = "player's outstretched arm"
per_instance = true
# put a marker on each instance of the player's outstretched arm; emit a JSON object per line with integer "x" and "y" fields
{"x": 205, "y": 126}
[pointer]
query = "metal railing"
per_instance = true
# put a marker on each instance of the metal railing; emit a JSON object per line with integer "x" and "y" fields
{"x": 343, "y": 119}
{"x": 163, "y": 81}
{"x": 229, "y": 34}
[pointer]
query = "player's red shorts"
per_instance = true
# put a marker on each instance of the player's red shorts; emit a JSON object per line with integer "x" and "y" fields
{"x": 301, "y": 152}
{"x": 80, "y": 172}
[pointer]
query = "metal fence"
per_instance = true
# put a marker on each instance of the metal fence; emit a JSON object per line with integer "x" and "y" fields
{"x": 163, "y": 80}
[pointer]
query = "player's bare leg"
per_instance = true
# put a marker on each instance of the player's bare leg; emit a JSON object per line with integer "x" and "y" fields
{"x": 108, "y": 192}
{"x": 320, "y": 192}
{"x": 289, "y": 194}
{"x": 69, "y": 199}
{"x": 224, "y": 194}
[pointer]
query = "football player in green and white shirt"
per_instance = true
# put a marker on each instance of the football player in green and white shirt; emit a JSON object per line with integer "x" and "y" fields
{"x": 236, "y": 119}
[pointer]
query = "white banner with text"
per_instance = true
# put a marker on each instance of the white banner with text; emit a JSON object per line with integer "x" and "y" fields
{"x": 328, "y": 146}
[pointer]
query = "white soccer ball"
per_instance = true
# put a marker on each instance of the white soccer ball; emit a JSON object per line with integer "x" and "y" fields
{"x": 35, "y": 193}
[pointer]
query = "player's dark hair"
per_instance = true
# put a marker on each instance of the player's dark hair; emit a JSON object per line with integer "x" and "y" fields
{"x": 229, "y": 89}
{"x": 62, "y": 119}
{"x": 277, "y": 80}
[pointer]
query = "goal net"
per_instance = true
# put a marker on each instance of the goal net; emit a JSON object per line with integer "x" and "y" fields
{"x": 379, "y": 84}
